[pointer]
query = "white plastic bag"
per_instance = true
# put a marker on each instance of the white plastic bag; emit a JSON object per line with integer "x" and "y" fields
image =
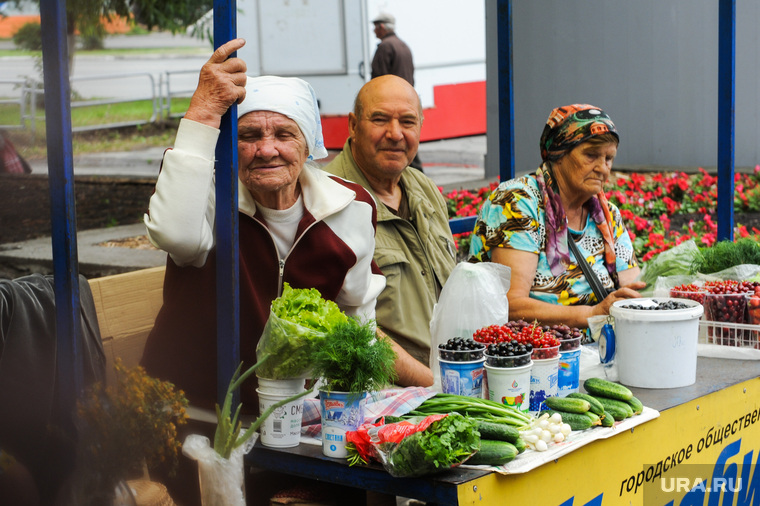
{"x": 222, "y": 480}
{"x": 474, "y": 296}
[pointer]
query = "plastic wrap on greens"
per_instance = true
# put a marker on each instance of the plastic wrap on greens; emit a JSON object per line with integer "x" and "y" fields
{"x": 444, "y": 444}
{"x": 675, "y": 261}
{"x": 298, "y": 320}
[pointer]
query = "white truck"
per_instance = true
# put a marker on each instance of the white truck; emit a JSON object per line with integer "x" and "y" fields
{"x": 330, "y": 43}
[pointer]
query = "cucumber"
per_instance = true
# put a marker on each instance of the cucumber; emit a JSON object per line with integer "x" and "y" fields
{"x": 493, "y": 453}
{"x": 607, "y": 419}
{"x": 520, "y": 445}
{"x": 497, "y": 431}
{"x": 636, "y": 405}
{"x": 595, "y": 406}
{"x": 595, "y": 419}
{"x": 567, "y": 405}
{"x": 619, "y": 410}
{"x": 599, "y": 387}
{"x": 576, "y": 421}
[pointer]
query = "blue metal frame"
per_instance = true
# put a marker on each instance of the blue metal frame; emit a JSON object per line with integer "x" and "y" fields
{"x": 62, "y": 199}
{"x": 506, "y": 91}
{"x": 227, "y": 261}
{"x": 726, "y": 115}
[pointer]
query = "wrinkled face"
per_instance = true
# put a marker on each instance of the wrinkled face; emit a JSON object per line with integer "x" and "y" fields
{"x": 584, "y": 170}
{"x": 271, "y": 154}
{"x": 384, "y": 140}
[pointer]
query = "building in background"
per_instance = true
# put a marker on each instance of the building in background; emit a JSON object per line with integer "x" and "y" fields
{"x": 330, "y": 43}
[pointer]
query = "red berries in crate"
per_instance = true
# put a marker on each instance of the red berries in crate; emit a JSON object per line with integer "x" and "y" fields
{"x": 724, "y": 302}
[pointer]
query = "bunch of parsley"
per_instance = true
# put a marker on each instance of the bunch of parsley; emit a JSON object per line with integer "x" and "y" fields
{"x": 446, "y": 443}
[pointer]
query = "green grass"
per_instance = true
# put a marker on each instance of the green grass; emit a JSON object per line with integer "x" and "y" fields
{"x": 137, "y": 110}
{"x": 33, "y": 146}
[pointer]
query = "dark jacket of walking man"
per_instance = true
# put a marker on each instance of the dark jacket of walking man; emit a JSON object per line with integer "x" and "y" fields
{"x": 393, "y": 57}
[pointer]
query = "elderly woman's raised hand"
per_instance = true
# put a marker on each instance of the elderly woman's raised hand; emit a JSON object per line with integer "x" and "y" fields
{"x": 221, "y": 83}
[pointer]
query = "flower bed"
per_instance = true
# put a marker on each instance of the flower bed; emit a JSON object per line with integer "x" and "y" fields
{"x": 660, "y": 209}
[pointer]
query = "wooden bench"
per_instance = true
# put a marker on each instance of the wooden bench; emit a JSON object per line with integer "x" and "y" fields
{"x": 127, "y": 305}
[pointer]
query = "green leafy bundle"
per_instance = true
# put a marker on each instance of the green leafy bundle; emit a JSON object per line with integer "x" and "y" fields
{"x": 298, "y": 322}
{"x": 446, "y": 443}
{"x": 676, "y": 261}
{"x": 352, "y": 358}
{"x": 725, "y": 254}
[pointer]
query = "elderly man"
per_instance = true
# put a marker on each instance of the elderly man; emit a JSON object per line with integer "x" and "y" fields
{"x": 297, "y": 224}
{"x": 414, "y": 246}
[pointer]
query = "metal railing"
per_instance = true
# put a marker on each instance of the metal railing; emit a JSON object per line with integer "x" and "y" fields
{"x": 31, "y": 91}
{"x": 166, "y": 92}
{"x": 22, "y": 100}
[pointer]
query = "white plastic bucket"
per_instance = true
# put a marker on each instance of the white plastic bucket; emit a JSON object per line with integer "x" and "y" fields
{"x": 282, "y": 428}
{"x": 462, "y": 378}
{"x": 544, "y": 378}
{"x": 509, "y": 385}
{"x": 282, "y": 386}
{"x": 656, "y": 349}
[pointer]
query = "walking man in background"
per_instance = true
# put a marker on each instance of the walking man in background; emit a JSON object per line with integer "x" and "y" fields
{"x": 392, "y": 56}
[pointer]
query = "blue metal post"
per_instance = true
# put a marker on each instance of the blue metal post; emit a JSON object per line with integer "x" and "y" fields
{"x": 227, "y": 265}
{"x": 62, "y": 200}
{"x": 506, "y": 95}
{"x": 726, "y": 115}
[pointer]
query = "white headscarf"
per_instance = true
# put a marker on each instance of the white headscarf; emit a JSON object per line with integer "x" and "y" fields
{"x": 291, "y": 97}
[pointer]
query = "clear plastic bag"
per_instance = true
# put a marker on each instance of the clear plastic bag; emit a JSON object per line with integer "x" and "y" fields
{"x": 474, "y": 296}
{"x": 416, "y": 447}
{"x": 222, "y": 480}
{"x": 290, "y": 346}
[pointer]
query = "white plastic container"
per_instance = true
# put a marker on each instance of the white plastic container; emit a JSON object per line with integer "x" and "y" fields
{"x": 656, "y": 349}
{"x": 509, "y": 385}
{"x": 282, "y": 428}
{"x": 282, "y": 386}
{"x": 462, "y": 378}
{"x": 544, "y": 382}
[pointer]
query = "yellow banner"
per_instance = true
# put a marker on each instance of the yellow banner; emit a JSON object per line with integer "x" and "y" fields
{"x": 703, "y": 452}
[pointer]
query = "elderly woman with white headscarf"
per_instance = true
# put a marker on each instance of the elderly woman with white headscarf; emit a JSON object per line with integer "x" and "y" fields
{"x": 297, "y": 224}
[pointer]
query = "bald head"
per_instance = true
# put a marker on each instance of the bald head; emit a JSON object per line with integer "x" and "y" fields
{"x": 385, "y": 127}
{"x": 386, "y": 85}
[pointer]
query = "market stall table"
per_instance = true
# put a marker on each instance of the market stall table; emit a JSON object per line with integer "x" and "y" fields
{"x": 702, "y": 430}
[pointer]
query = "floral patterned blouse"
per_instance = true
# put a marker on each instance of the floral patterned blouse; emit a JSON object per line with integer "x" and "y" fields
{"x": 513, "y": 217}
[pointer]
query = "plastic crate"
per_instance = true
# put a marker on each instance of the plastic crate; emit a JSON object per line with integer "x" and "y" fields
{"x": 742, "y": 335}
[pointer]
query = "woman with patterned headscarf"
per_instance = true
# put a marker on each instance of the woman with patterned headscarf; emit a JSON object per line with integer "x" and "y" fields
{"x": 527, "y": 224}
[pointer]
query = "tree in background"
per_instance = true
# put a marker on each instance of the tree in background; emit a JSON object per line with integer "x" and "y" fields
{"x": 86, "y": 16}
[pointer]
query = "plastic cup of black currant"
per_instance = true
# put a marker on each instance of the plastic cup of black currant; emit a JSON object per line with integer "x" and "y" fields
{"x": 460, "y": 349}
{"x": 508, "y": 354}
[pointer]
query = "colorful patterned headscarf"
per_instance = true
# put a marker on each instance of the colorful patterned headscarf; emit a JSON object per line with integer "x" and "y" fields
{"x": 570, "y": 125}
